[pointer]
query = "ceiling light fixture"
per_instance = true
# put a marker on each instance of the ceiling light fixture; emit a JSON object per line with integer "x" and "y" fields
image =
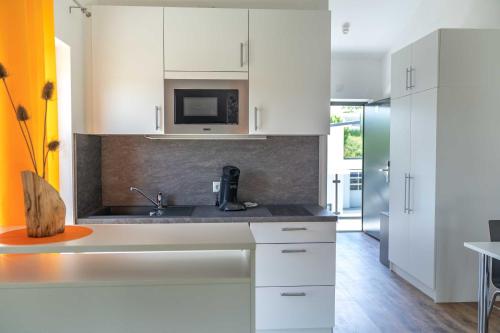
{"x": 346, "y": 27}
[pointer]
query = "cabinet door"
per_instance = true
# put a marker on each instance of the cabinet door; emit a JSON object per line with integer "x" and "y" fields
{"x": 206, "y": 39}
{"x": 423, "y": 185}
{"x": 400, "y": 66}
{"x": 425, "y": 60}
{"x": 400, "y": 143}
{"x": 127, "y": 70}
{"x": 289, "y": 74}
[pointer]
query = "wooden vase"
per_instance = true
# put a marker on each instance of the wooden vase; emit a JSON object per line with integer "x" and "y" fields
{"x": 43, "y": 207}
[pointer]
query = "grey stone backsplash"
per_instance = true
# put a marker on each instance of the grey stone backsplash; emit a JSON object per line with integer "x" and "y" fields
{"x": 88, "y": 173}
{"x": 279, "y": 170}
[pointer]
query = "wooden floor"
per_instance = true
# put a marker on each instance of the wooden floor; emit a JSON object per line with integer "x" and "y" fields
{"x": 369, "y": 298}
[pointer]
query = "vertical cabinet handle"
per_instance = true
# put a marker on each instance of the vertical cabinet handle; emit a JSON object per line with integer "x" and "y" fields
{"x": 157, "y": 117}
{"x": 406, "y": 194}
{"x": 409, "y": 209}
{"x": 255, "y": 118}
{"x": 242, "y": 49}
{"x": 412, "y": 85}
{"x": 407, "y": 76}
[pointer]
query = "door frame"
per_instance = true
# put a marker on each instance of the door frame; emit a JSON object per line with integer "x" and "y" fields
{"x": 323, "y": 154}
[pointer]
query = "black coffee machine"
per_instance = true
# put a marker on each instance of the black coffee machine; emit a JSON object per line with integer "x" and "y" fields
{"x": 228, "y": 193}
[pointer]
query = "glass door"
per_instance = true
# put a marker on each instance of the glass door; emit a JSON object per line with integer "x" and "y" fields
{"x": 376, "y": 164}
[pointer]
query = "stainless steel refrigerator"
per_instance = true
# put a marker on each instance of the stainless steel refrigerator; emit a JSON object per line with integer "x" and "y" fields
{"x": 376, "y": 165}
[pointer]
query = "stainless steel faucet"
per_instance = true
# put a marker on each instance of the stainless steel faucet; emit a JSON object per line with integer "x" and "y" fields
{"x": 159, "y": 198}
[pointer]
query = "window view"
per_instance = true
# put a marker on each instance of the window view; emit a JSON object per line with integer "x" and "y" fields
{"x": 345, "y": 163}
{"x": 350, "y": 117}
{"x": 356, "y": 180}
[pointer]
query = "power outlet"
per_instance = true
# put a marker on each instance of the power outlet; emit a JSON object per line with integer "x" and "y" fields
{"x": 215, "y": 187}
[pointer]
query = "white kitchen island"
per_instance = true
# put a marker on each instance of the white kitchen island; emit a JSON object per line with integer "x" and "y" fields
{"x": 179, "y": 278}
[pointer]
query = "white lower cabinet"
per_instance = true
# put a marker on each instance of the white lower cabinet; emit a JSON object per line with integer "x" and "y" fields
{"x": 294, "y": 307}
{"x": 293, "y": 232}
{"x": 295, "y": 265}
{"x": 294, "y": 276}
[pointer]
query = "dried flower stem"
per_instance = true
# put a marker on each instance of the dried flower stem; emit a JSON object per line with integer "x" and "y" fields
{"x": 44, "y": 139}
{"x": 30, "y": 147}
{"x": 31, "y": 142}
{"x": 45, "y": 158}
{"x": 51, "y": 146}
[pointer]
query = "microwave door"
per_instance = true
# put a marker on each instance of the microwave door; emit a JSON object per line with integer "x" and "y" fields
{"x": 205, "y": 106}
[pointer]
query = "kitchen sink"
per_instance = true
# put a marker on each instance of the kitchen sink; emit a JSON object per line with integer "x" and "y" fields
{"x": 143, "y": 211}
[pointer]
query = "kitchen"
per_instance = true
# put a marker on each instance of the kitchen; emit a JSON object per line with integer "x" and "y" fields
{"x": 187, "y": 173}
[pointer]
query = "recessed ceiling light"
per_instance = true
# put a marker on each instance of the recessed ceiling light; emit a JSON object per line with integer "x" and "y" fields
{"x": 346, "y": 27}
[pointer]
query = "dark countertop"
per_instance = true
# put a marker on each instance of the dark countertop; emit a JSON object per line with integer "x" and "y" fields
{"x": 211, "y": 214}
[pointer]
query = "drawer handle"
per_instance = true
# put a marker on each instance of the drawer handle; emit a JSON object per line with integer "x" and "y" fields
{"x": 294, "y": 251}
{"x": 293, "y": 294}
{"x": 294, "y": 229}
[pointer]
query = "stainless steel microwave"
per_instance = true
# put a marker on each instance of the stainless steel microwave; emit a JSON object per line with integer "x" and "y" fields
{"x": 206, "y": 107}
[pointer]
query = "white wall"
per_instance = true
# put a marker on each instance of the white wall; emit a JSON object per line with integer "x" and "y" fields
{"x": 69, "y": 28}
{"x": 356, "y": 76}
{"x": 386, "y": 75}
{"x": 432, "y": 15}
{"x": 63, "y": 66}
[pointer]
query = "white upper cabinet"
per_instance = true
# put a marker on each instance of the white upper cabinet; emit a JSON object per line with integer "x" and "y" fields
{"x": 401, "y": 63}
{"x": 289, "y": 72}
{"x": 206, "y": 40}
{"x": 425, "y": 60}
{"x": 415, "y": 67}
{"x": 475, "y": 68}
{"x": 127, "y": 70}
{"x": 284, "y": 54}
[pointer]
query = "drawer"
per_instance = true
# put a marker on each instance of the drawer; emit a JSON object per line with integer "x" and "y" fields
{"x": 294, "y": 308}
{"x": 295, "y": 264}
{"x": 294, "y": 232}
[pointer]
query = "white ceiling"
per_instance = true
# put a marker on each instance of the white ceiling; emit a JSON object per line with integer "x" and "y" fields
{"x": 375, "y": 24}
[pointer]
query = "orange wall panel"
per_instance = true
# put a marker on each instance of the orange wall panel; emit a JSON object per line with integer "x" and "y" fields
{"x": 27, "y": 50}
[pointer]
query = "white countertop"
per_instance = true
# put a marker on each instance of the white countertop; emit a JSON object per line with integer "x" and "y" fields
{"x": 491, "y": 249}
{"x": 149, "y": 237}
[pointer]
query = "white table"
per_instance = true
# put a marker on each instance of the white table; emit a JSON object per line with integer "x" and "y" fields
{"x": 486, "y": 251}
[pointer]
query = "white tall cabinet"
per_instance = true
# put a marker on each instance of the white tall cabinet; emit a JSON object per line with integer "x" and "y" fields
{"x": 443, "y": 189}
{"x": 127, "y": 70}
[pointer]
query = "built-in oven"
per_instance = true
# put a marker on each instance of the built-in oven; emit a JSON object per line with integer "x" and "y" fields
{"x": 206, "y": 107}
